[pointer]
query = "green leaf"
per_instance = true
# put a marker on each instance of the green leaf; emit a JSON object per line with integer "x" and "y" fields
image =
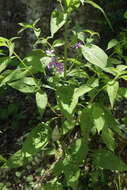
{"x": 75, "y": 61}
{"x": 99, "y": 8}
{"x": 25, "y": 85}
{"x": 76, "y": 153}
{"x": 58, "y": 19}
{"x": 95, "y": 55}
{"x": 92, "y": 33}
{"x": 4, "y": 61}
{"x": 36, "y": 140}
{"x": 58, "y": 43}
{"x": 82, "y": 1}
{"x": 7, "y": 43}
{"x": 72, "y": 4}
{"x": 67, "y": 126}
{"x": 108, "y": 139}
{"x": 68, "y": 96}
{"x": 64, "y": 96}
{"x": 77, "y": 72}
{"x": 55, "y": 134}
{"x": 112, "y": 89}
{"x": 98, "y": 117}
{"x": 112, "y": 43}
{"x": 2, "y": 159}
{"x": 25, "y": 26}
{"x": 41, "y": 101}
{"x": 3, "y": 187}
{"x": 52, "y": 186}
{"x": 16, "y": 160}
{"x": 107, "y": 160}
{"x": 112, "y": 123}
{"x": 123, "y": 92}
{"x": 16, "y": 75}
{"x": 37, "y": 32}
{"x": 68, "y": 2}
{"x": 86, "y": 122}
{"x": 11, "y": 47}
{"x": 125, "y": 15}
{"x": 33, "y": 59}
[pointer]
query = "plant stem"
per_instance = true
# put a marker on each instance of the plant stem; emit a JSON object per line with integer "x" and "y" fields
{"x": 65, "y": 49}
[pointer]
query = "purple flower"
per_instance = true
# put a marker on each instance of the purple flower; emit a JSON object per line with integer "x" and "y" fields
{"x": 77, "y": 45}
{"x": 58, "y": 65}
{"x": 49, "y": 52}
{"x": 51, "y": 65}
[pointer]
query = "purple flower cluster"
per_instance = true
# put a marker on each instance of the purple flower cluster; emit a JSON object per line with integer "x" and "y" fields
{"x": 77, "y": 45}
{"x": 55, "y": 64}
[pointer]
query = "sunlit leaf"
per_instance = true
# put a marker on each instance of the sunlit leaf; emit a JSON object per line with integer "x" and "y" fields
{"x": 25, "y": 85}
{"x": 98, "y": 117}
{"x": 4, "y": 61}
{"x": 58, "y": 19}
{"x": 58, "y": 43}
{"x": 16, "y": 160}
{"x": 95, "y": 55}
{"x": 108, "y": 138}
{"x": 76, "y": 153}
{"x": 41, "y": 101}
{"x": 112, "y": 44}
{"x": 52, "y": 186}
{"x": 36, "y": 140}
{"x": 33, "y": 59}
{"x": 112, "y": 89}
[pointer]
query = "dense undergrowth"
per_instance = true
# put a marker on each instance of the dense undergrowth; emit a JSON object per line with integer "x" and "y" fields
{"x": 63, "y": 108}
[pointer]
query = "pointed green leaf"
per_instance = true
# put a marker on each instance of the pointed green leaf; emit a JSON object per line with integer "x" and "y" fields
{"x": 25, "y": 85}
{"x": 108, "y": 138}
{"x": 95, "y": 55}
{"x": 33, "y": 59}
{"x": 58, "y": 19}
{"x": 72, "y": 4}
{"x": 16, "y": 160}
{"x": 16, "y": 74}
{"x": 41, "y": 101}
{"x": 107, "y": 160}
{"x": 76, "y": 154}
{"x": 112, "y": 43}
{"x": 36, "y": 140}
{"x": 3, "y": 186}
{"x": 58, "y": 43}
{"x": 112, "y": 89}
{"x": 4, "y": 61}
{"x": 68, "y": 96}
{"x": 98, "y": 117}
{"x": 86, "y": 122}
{"x": 67, "y": 126}
{"x": 52, "y": 186}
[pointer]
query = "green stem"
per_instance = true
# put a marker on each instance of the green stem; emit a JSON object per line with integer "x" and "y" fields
{"x": 65, "y": 50}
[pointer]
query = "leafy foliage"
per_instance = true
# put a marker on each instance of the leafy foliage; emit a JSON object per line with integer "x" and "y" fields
{"x": 76, "y": 87}
{"x": 107, "y": 160}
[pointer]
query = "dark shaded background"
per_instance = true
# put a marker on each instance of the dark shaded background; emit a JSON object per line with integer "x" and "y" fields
{"x": 13, "y": 12}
